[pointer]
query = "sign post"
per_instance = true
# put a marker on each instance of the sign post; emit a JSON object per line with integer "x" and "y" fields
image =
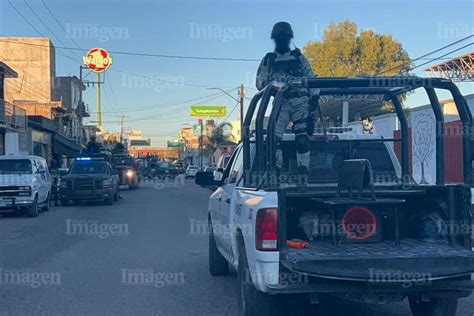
{"x": 98, "y": 60}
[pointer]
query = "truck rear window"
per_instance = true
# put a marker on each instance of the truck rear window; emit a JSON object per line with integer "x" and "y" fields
{"x": 326, "y": 158}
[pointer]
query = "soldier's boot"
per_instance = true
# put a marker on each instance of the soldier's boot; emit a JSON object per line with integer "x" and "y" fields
{"x": 302, "y": 159}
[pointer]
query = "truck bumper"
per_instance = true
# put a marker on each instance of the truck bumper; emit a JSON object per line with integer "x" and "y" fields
{"x": 97, "y": 194}
{"x": 11, "y": 204}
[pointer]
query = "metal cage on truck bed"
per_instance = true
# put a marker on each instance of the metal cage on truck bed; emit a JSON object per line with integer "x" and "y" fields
{"x": 396, "y": 248}
{"x": 391, "y": 88}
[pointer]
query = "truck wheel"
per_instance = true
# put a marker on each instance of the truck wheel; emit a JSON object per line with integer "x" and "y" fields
{"x": 435, "y": 307}
{"x": 33, "y": 209}
{"x": 109, "y": 201}
{"x": 64, "y": 202}
{"x": 252, "y": 302}
{"x": 217, "y": 263}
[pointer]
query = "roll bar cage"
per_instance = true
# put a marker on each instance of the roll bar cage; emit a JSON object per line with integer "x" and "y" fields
{"x": 390, "y": 87}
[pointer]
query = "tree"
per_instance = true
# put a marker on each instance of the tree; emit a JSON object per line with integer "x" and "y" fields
{"x": 347, "y": 51}
{"x": 219, "y": 136}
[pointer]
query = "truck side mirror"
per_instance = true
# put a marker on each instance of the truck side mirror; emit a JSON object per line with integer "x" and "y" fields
{"x": 204, "y": 178}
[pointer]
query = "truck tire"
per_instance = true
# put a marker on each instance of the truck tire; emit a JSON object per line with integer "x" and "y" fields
{"x": 47, "y": 203}
{"x": 32, "y": 211}
{"x": 217, "y": 263}
{"x": 252, "y": 302}
{"x": 435, "y": 307}
{"x": 109, "y": 201}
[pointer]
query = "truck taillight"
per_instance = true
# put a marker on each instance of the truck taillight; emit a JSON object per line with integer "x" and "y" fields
{"x": 266, "y": 236}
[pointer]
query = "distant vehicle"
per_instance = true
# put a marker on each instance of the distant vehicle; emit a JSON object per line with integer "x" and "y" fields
{"x": 173, "y": 171}
{"x": 159, "y": 169}
{"x": 180, "y": 167}
{"x": 25, "y": 184}
{"x": 191, "y": 171}
{"x": 127, "y": 170}
{"x": 220, "y": 167}
{"x": 210, "y": 169}
{"x": 90, "y": 178}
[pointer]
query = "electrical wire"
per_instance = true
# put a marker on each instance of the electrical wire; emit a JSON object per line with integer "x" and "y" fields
{"x": 58, "y": 22}
{"x": 47, "y": 27}
{"x": 425, "y": 55}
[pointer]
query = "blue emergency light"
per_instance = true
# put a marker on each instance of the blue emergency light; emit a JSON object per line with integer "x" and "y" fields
{"x": 83, "y": 158}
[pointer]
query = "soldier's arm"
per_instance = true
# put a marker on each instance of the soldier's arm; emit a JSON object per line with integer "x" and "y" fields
{"x": 262, "y": 74}
{"x": 308, "y": 72}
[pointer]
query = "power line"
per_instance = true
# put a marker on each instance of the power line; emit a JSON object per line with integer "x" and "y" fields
{"x": 27, "y": 21}
{"x": 182, "y": 56}
{"x": 453, "y": 51}
{"x": 173, "y": 103}
{"x": 425, "y": 55}
{"x": 46, "y": 26}
{"x": 58, "y": 22}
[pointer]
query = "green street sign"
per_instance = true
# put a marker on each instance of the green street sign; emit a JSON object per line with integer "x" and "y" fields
{"x": 209, "y": 110}
{"x": 197, "y": 129}
{"x": 175, "y": 144}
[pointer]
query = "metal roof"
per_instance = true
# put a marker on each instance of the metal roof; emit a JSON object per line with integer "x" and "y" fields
{"x": 457, "y": 69}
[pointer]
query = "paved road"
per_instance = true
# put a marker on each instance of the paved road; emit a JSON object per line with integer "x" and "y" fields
{"x": 142, "y": 256}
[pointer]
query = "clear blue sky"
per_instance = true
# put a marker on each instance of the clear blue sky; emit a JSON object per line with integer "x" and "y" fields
{"x": 169, "y": 27}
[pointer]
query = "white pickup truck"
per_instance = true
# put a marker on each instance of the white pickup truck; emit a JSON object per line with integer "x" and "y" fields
{"x": 249, "y": 228}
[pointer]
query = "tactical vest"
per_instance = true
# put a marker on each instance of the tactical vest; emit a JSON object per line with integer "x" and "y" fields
{"x": 287, "y": 67}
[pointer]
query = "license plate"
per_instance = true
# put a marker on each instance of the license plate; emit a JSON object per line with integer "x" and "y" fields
{"x": 3, "y": 203}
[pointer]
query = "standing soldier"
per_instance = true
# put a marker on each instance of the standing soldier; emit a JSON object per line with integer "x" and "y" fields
{"x": 282, "y": 65}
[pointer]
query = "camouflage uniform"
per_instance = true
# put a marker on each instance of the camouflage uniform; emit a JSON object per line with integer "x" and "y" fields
{"x": 295, "y": 107}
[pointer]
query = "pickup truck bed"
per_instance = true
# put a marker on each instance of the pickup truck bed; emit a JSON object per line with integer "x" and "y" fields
{"x": 352, "y": 261}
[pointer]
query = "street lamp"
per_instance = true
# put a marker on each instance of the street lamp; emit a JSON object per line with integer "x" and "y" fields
{"x": 240, "y": 100}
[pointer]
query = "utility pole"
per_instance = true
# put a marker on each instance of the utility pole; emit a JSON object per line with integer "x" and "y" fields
{"x": 242, "y": 96}
{"x": 122, "y": 117}
{"x": 200, "y": 143}
{"x": 79, "y": 136}
{"x": 99, "y": 112}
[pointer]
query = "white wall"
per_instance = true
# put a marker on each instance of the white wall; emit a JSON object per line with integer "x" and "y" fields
{"x": 423, "y": 125}
{"x": 12, "y": 143}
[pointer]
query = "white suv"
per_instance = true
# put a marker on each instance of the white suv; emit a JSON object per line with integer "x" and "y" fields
{"x": 191, "y": 171}
{"x": 25, "y": 184}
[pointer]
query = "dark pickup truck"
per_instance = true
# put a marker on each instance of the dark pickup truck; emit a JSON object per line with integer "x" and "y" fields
{"x": 89, "y": 178}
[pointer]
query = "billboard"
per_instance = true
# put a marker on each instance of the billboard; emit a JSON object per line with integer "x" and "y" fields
{"x": 175, "y": 144}
{"x": 209, "y": 110}
{"x": 135, "y": 135}
{"x": 140, "y": 142}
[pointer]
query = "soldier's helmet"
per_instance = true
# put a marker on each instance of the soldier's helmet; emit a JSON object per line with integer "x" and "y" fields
{"x": 282, "y": 28}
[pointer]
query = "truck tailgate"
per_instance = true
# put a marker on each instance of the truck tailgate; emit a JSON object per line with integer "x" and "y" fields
{"x": 359, "y": 261}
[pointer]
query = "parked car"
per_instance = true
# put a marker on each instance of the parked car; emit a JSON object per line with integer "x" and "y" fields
{"x": 25, "y": 185}
{"x": 191, "y": 171}
{"x": 90, "y": 178}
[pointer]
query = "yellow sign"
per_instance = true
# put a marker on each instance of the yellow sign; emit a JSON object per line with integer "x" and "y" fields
{"x": 209, "y": 110}
{"x": 98, "y": 60}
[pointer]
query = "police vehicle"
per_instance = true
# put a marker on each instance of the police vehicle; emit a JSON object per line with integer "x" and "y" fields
{"x": 90, "y": 177}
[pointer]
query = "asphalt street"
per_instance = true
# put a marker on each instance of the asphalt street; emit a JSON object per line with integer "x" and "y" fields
{"x": 85, "y": 259}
